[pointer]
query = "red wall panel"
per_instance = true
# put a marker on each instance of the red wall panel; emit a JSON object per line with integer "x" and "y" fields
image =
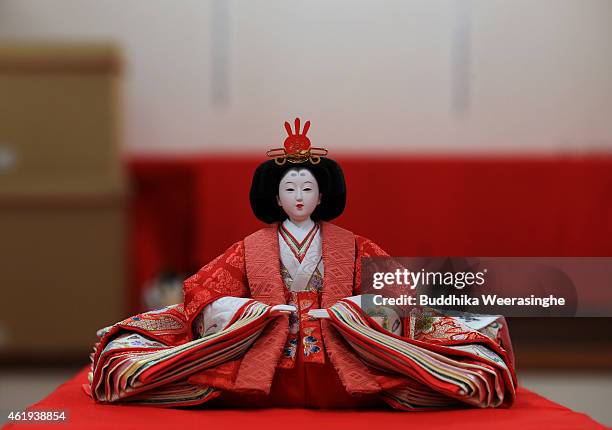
{"x": 186, "y": 211}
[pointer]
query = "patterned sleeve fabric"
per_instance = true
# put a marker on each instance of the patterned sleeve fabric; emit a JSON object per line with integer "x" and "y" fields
{"x": 364, "y": 248}
{"x": 224, "y": 276}
{"x": 133, "y": 367}
{"x": 449, "y": 365}
{"x": 147, "y": 357}
{"x": 448, "y": 360}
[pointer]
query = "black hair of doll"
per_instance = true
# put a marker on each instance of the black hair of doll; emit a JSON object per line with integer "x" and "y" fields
{"x": 264, "y": 189}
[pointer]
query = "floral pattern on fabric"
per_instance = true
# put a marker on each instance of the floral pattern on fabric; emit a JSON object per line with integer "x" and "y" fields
{"x": 429, "y": 325}
{"x": 310, "y": 329}
{"x": 132, "y": 340}
{"x": 492, "y": 331}
{"x": 151, "y": 323}
{"x": 290, "y": 348}
{"x": 163, "y": 322}
{"x": 303, "y": 330}
{"x": 311, "y": 345}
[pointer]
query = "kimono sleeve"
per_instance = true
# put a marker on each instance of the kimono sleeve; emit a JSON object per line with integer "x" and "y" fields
{"x": 388, "y": 317}
{"x": 364, "y": 248}
{"x": 224, "y": 276}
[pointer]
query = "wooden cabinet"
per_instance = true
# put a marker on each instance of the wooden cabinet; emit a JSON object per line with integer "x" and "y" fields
{"x": 59, "y": 119}
{"x": 62, "y": 198}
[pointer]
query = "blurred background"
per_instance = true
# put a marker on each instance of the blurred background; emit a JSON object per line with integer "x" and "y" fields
{"x": 129, "y": 131}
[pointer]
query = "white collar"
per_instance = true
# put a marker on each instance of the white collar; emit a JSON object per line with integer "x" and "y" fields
{"x": 301, "y": 272}
{"x": 299, "y": 232}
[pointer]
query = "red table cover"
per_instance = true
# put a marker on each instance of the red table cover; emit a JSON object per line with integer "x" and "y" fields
{"x": 530, "y": 411}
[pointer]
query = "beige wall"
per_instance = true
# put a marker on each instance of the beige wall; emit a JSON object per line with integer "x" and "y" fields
{"x": 416, "y": 76}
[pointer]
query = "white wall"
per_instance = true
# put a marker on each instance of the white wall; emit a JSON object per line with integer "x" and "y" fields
{"x": 413, "y": 76}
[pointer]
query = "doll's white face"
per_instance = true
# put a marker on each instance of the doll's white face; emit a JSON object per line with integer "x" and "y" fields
{"x": 298, "y": 194}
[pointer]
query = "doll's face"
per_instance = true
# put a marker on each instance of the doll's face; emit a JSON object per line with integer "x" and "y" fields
{"x": 298, "y": 194}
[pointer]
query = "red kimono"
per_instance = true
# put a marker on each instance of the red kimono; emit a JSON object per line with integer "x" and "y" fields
{"x": 154, "y": 358}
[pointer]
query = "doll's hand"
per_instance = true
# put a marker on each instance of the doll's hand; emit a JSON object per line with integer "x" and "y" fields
{"x": 318, "y": 313}
{"x": 282, "y": 310}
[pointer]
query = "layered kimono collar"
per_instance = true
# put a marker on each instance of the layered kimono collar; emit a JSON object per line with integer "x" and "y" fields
{"x": 261, "y": 252}
{"x": 299, "y": 232}
{"x": 298, "y": 238}
{"x": 300, "y": 257}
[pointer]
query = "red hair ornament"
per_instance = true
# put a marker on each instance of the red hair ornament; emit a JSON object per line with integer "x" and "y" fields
{"x": 297, "y": 148}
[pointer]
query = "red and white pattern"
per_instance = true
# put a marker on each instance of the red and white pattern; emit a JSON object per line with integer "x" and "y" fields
{"x": 130, "y": 366}
{"x": 471, "y": 368}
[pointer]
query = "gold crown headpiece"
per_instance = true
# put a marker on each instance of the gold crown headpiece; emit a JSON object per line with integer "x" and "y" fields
{"x": 296, "y": 148}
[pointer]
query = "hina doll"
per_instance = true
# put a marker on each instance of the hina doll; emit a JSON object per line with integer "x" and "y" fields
{"x": 276, "y": 320}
